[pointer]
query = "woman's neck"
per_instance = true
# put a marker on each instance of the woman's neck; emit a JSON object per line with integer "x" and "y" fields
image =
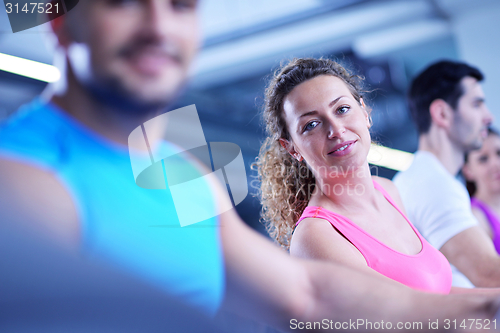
{"x": 348, "y": 190}
{"x": 492, "y": 199}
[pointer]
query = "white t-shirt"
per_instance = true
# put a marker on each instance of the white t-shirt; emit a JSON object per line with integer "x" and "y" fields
{"x": 436, "y": 203}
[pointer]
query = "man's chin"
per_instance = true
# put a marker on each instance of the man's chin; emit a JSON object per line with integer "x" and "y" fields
{"x": 474, "y": 146}
{"x": 137, "y": 104}
{"x": 132, "y": 102}
{"x": 147, "y": 95}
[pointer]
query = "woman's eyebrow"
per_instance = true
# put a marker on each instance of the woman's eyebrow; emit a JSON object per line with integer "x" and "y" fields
{"x": 308, "y": 114}
{"x": 332, "y": 103}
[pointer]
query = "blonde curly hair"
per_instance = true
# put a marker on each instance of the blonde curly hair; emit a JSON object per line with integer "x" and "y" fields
{"x": 285, "y": 183}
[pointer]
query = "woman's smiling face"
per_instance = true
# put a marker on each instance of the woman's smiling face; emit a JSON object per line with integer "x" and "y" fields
{"x": 327, "y": 126}
{"x": 483, "y": 165}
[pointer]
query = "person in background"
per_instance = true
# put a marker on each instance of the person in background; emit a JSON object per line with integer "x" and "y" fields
{"x": 448, "y": 107}
{"x": 65, "y": 172}
{"x": 482, "y": 173}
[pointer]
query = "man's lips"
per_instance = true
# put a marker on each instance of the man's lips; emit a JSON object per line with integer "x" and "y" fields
{"x": 342, "y": 148}
{"x": 151, "y": 60}
{"x": 151, "y": 63}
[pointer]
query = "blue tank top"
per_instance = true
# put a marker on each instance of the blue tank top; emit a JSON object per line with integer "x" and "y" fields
{"x": 134, "y": 228}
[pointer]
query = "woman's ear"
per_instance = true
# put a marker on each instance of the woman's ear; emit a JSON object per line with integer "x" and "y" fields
{"x": 367, "y": 114}
{"x": 288, "y": 146}
{"x": 362, "y": 102}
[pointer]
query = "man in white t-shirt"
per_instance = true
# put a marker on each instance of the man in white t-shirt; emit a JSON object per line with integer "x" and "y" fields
{"x": 447, "y": 104}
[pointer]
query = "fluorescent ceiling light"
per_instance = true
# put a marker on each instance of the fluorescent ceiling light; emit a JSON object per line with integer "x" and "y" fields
{"x": 29, "y": 68}
{"x": 322, "y": 32}
{"x": 389, "y": 158}
{"x": 244, "y": 14}
{"x": 389, "y": 40}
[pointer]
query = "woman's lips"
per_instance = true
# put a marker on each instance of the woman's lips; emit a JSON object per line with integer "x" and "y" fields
{"x": 495, "y": 176}
{"x": 343, "y": 148}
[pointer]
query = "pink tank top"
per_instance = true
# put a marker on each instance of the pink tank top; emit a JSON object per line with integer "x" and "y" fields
{"x": 427, "y": 271}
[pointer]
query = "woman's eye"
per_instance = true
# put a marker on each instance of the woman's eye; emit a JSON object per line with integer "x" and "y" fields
{"x": 343, "y": 109}
{"x": 122, "y": 2}
{"x": 309, "y": 126}
{"x": 185, "y": 4}
{"x": 483, "y": 159}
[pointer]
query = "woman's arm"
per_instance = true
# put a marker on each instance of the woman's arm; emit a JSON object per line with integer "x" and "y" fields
{"x": 476, "y": 291}
{"x": 265, "y": 283}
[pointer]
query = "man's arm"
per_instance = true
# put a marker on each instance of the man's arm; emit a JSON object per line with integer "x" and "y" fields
{"x": 34, "y": 198}
{"x": 483, "y": 221}
{"x": 265, "y": 283}
{"x": 473, "y": 253}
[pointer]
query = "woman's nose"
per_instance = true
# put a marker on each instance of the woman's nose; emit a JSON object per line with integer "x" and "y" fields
{"x": 496, "y": 160}
{"x": 335, "y": 130}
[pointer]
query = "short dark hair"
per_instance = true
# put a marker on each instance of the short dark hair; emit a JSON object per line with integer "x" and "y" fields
{"x": 441, "y": 80}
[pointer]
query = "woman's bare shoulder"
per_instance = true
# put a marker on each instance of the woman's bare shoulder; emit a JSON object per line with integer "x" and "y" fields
{"x": 390, "y": 188}
{"x": 316, "y": 238}
{"x": 386, "y": 183}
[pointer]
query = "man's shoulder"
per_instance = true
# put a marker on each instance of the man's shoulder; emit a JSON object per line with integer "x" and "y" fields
{"x": 428, "y": 187}
{"x": 426, "y": 172}
{"x": 34, "y": 197}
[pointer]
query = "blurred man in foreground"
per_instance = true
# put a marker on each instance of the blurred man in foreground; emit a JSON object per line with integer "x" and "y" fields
{"x": 46, "y": 289}
{"x": 66, "y": 172}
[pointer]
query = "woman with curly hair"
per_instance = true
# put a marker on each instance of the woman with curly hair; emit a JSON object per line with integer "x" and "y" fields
{"x": 319, "y": 198}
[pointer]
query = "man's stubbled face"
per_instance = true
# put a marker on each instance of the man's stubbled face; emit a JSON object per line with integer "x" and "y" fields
{"x": 133, "y": 54}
